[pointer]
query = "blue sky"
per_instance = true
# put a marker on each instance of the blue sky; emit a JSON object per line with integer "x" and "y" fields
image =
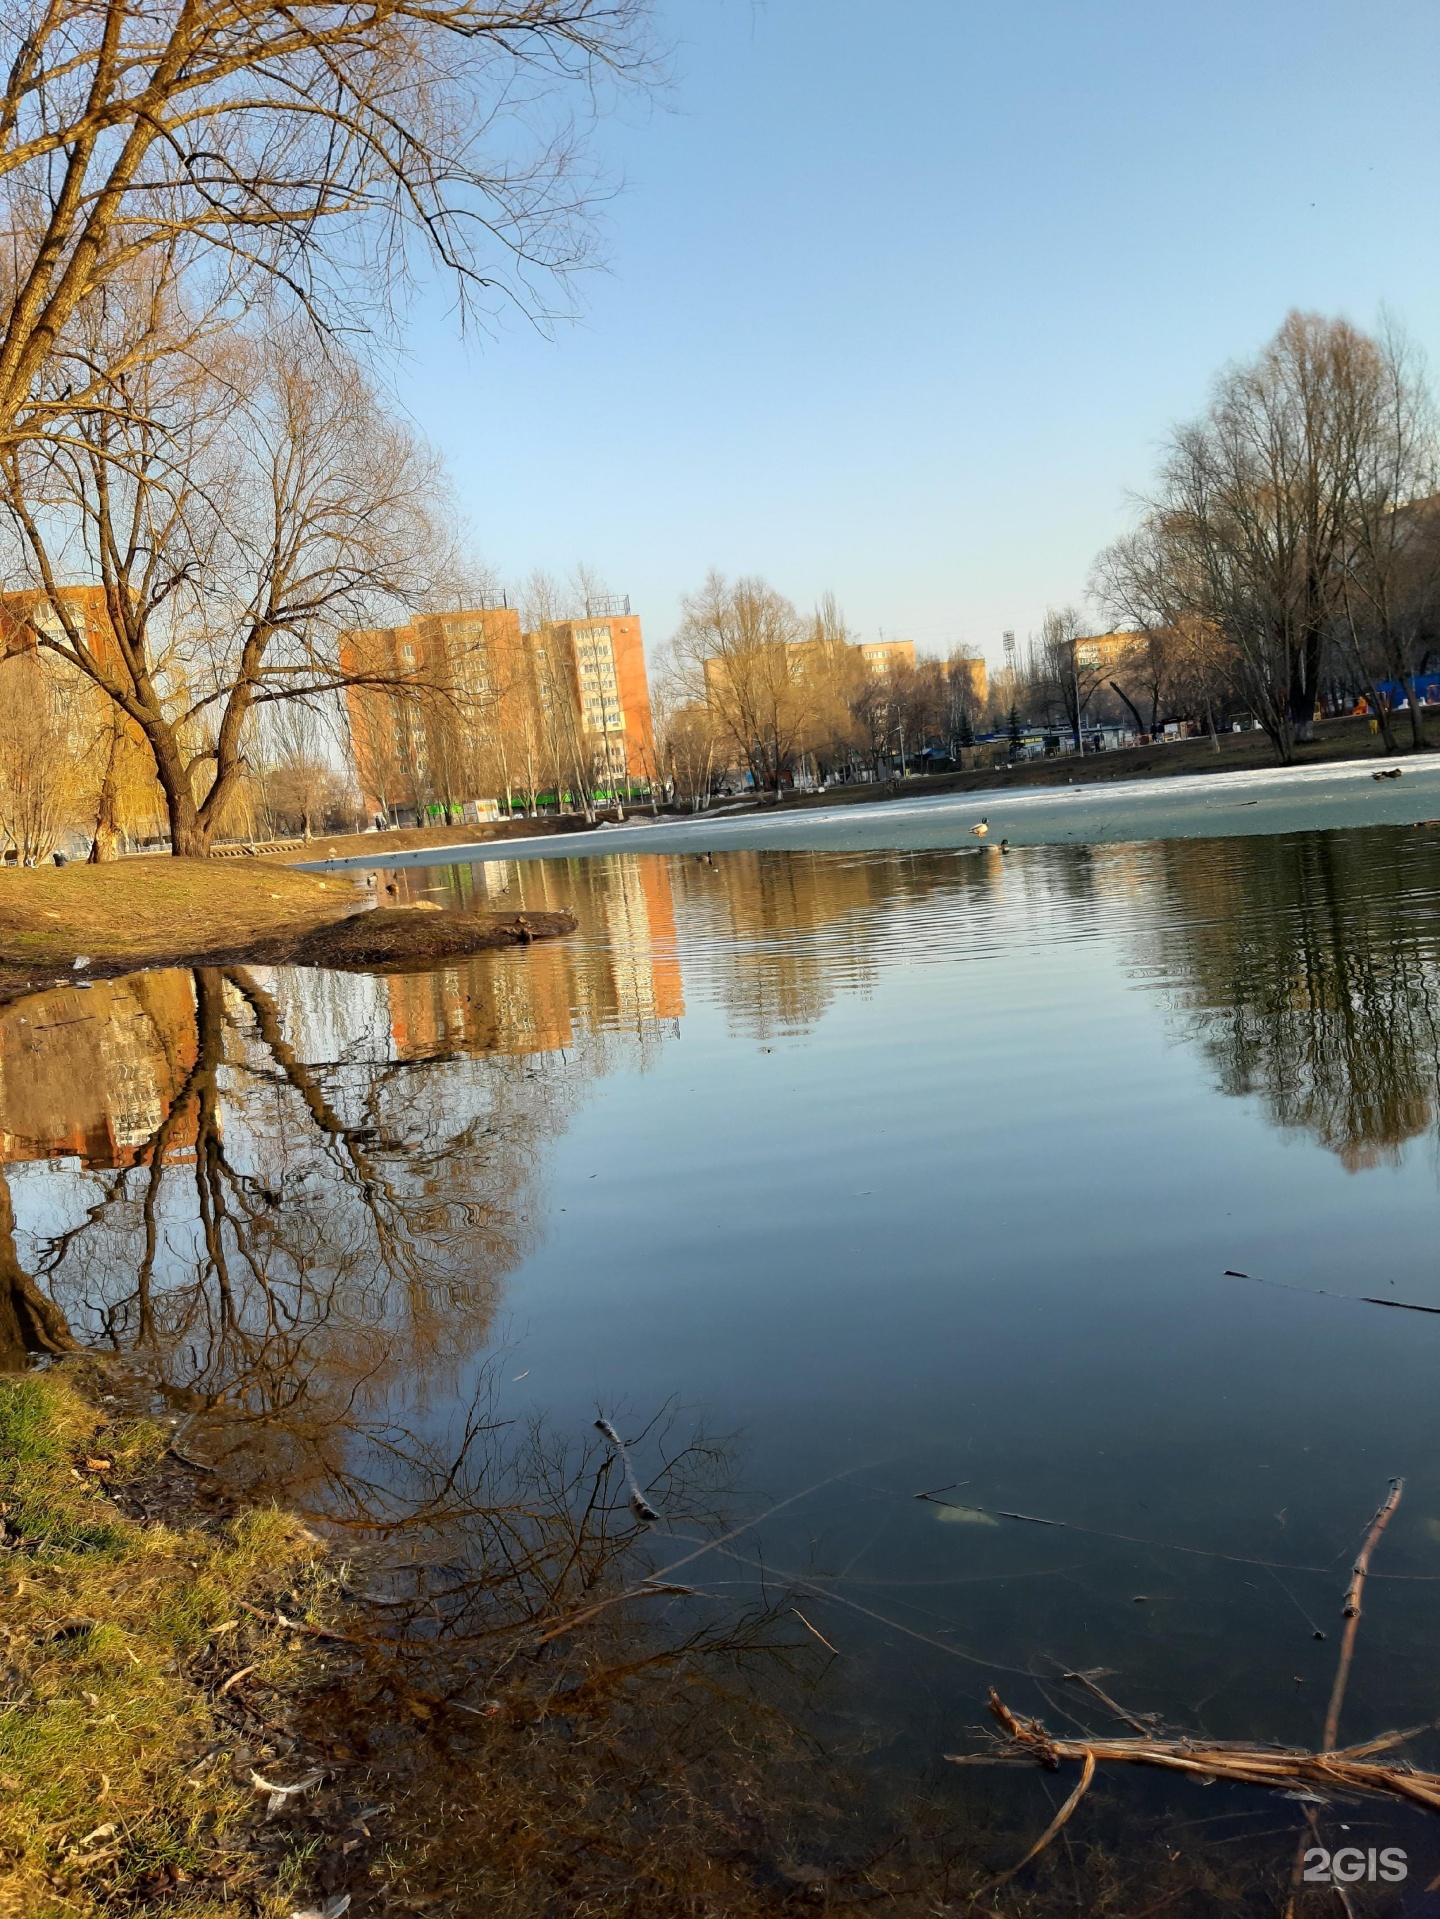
{"x": 899, "y": 301}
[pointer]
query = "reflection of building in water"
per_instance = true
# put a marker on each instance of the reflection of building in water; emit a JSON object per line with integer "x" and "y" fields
{"x": 622, "y": 973}
{"x": 91, "y": 1073}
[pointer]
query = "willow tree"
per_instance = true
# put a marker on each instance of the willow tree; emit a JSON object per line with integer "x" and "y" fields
{"x": 736, "y": 652}
{"x": 318, "y": 151}
{"x": 233, "y": 508}
{"x": 1274, "y": 508}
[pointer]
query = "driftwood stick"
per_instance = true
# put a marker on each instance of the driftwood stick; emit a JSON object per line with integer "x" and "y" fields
{"x": 1351, "y": 1611}
{"x": 1277, "y": 1768}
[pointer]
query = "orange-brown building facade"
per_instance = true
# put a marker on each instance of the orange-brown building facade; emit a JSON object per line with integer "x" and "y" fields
{"x": 433, "y": 704}
{"x": 22, "y": 611}
{"x": 463, "y": 706}
{"x": 605, "y": 658}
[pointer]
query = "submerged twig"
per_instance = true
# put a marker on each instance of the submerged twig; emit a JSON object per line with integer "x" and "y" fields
{"x": 1319, "y": 1292}
{"x": 1087, "y": 1773}
{"x": 1144, "y": 1725}
{"x": 1351, "y": 1609}
{"x": 816, "y": 1631}
{"x": 639, "y": 1504}
{"x": 1279, "y": 1768}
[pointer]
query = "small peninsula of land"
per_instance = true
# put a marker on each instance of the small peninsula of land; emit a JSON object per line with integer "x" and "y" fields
{"x": 63, "y": 924}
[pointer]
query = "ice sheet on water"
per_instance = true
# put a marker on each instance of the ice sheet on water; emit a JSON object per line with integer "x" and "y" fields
{"x": 1197, "y": 806}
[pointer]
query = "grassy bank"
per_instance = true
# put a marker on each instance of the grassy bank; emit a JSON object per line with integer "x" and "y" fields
{"x": 147, "y": 912}
{"x": 512, "y": 1742}
{"x": 119, "y": 1784}
{"x": 168, "y": 1664}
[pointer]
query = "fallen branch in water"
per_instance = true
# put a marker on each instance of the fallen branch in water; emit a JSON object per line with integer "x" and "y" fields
{"x": 1319, "y": 1292}
{"x": 1351, "y": 1609}
{"x": 1279, "y": 1768}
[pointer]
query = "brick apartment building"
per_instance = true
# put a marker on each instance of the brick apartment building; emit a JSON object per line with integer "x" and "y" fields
{"x": 27, "y": 608}
{"x": 880, "y": 655}
{"x": 465, "y": 707}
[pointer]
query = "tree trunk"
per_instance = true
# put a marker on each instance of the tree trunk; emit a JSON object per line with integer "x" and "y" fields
{"x": 105, "y": 845}
{"x": 1134, "y": 710}
{"x": 1304, "y": 677}
{"x": 1280, "y": 739}
{"x": 29, "y": 1322}
{"x": 1382, "y": 717}
{"x": 189, "y": 833}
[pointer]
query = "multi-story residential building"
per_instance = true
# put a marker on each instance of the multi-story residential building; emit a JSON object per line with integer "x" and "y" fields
{"x": 972, "y": 668}
{"x": 1105, "y": 652}
{"x": 435, "y": 705}
{"x": 880, "y": 655}
{"x": 109, "y": 760}
{"x": 25, "y": 609}
{"x": 458, "y": 707}
{"x": 602, "y": 658}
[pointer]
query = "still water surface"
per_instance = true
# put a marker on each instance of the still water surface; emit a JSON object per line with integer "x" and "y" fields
{"x": 912, "y": 1171}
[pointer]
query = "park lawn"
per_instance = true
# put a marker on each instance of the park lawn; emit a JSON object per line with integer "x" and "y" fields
{"x": 146, "y": 911}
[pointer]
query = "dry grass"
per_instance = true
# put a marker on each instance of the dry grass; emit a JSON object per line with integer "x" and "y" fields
{"x": 118, "y": 1791}
{"x": 141, "y": 912}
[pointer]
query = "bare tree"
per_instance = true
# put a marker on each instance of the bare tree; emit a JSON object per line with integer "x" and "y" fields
{"x": 319, "y": 150}
{"x": 238, "y": 511}
{"x": 1274, "y": 508}
{"x": 1065, "y": 674}
{"x": 686, "y": 744}
{"x": 1391, "y": 590}
{"x": 734, "y": 648}
{"x": 298, "y": 753}
{"x": 48, "y": 761}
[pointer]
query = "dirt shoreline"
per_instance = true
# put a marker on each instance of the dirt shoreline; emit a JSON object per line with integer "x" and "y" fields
{"x": 66, "y": 926}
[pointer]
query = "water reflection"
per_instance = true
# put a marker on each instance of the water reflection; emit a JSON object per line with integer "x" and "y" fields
{"x": 961, "y": 1219}
{"x": 1308, "y": 971}
{"x": 287, "y": 1177}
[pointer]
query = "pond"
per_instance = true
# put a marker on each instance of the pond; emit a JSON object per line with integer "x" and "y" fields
{"x": 1058, "y": 1185}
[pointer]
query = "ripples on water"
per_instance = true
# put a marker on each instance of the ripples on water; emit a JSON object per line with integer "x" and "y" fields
{"x": 923, "y": 1169}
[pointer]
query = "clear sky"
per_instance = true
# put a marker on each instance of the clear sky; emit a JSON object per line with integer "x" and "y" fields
{"x": 900, "y": 300}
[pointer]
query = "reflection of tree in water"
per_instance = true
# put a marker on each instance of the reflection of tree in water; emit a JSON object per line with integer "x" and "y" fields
{"x": 311, "y": 1222}
{"x": 1308, "y": 969}
{"x": 784, "y": 933}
